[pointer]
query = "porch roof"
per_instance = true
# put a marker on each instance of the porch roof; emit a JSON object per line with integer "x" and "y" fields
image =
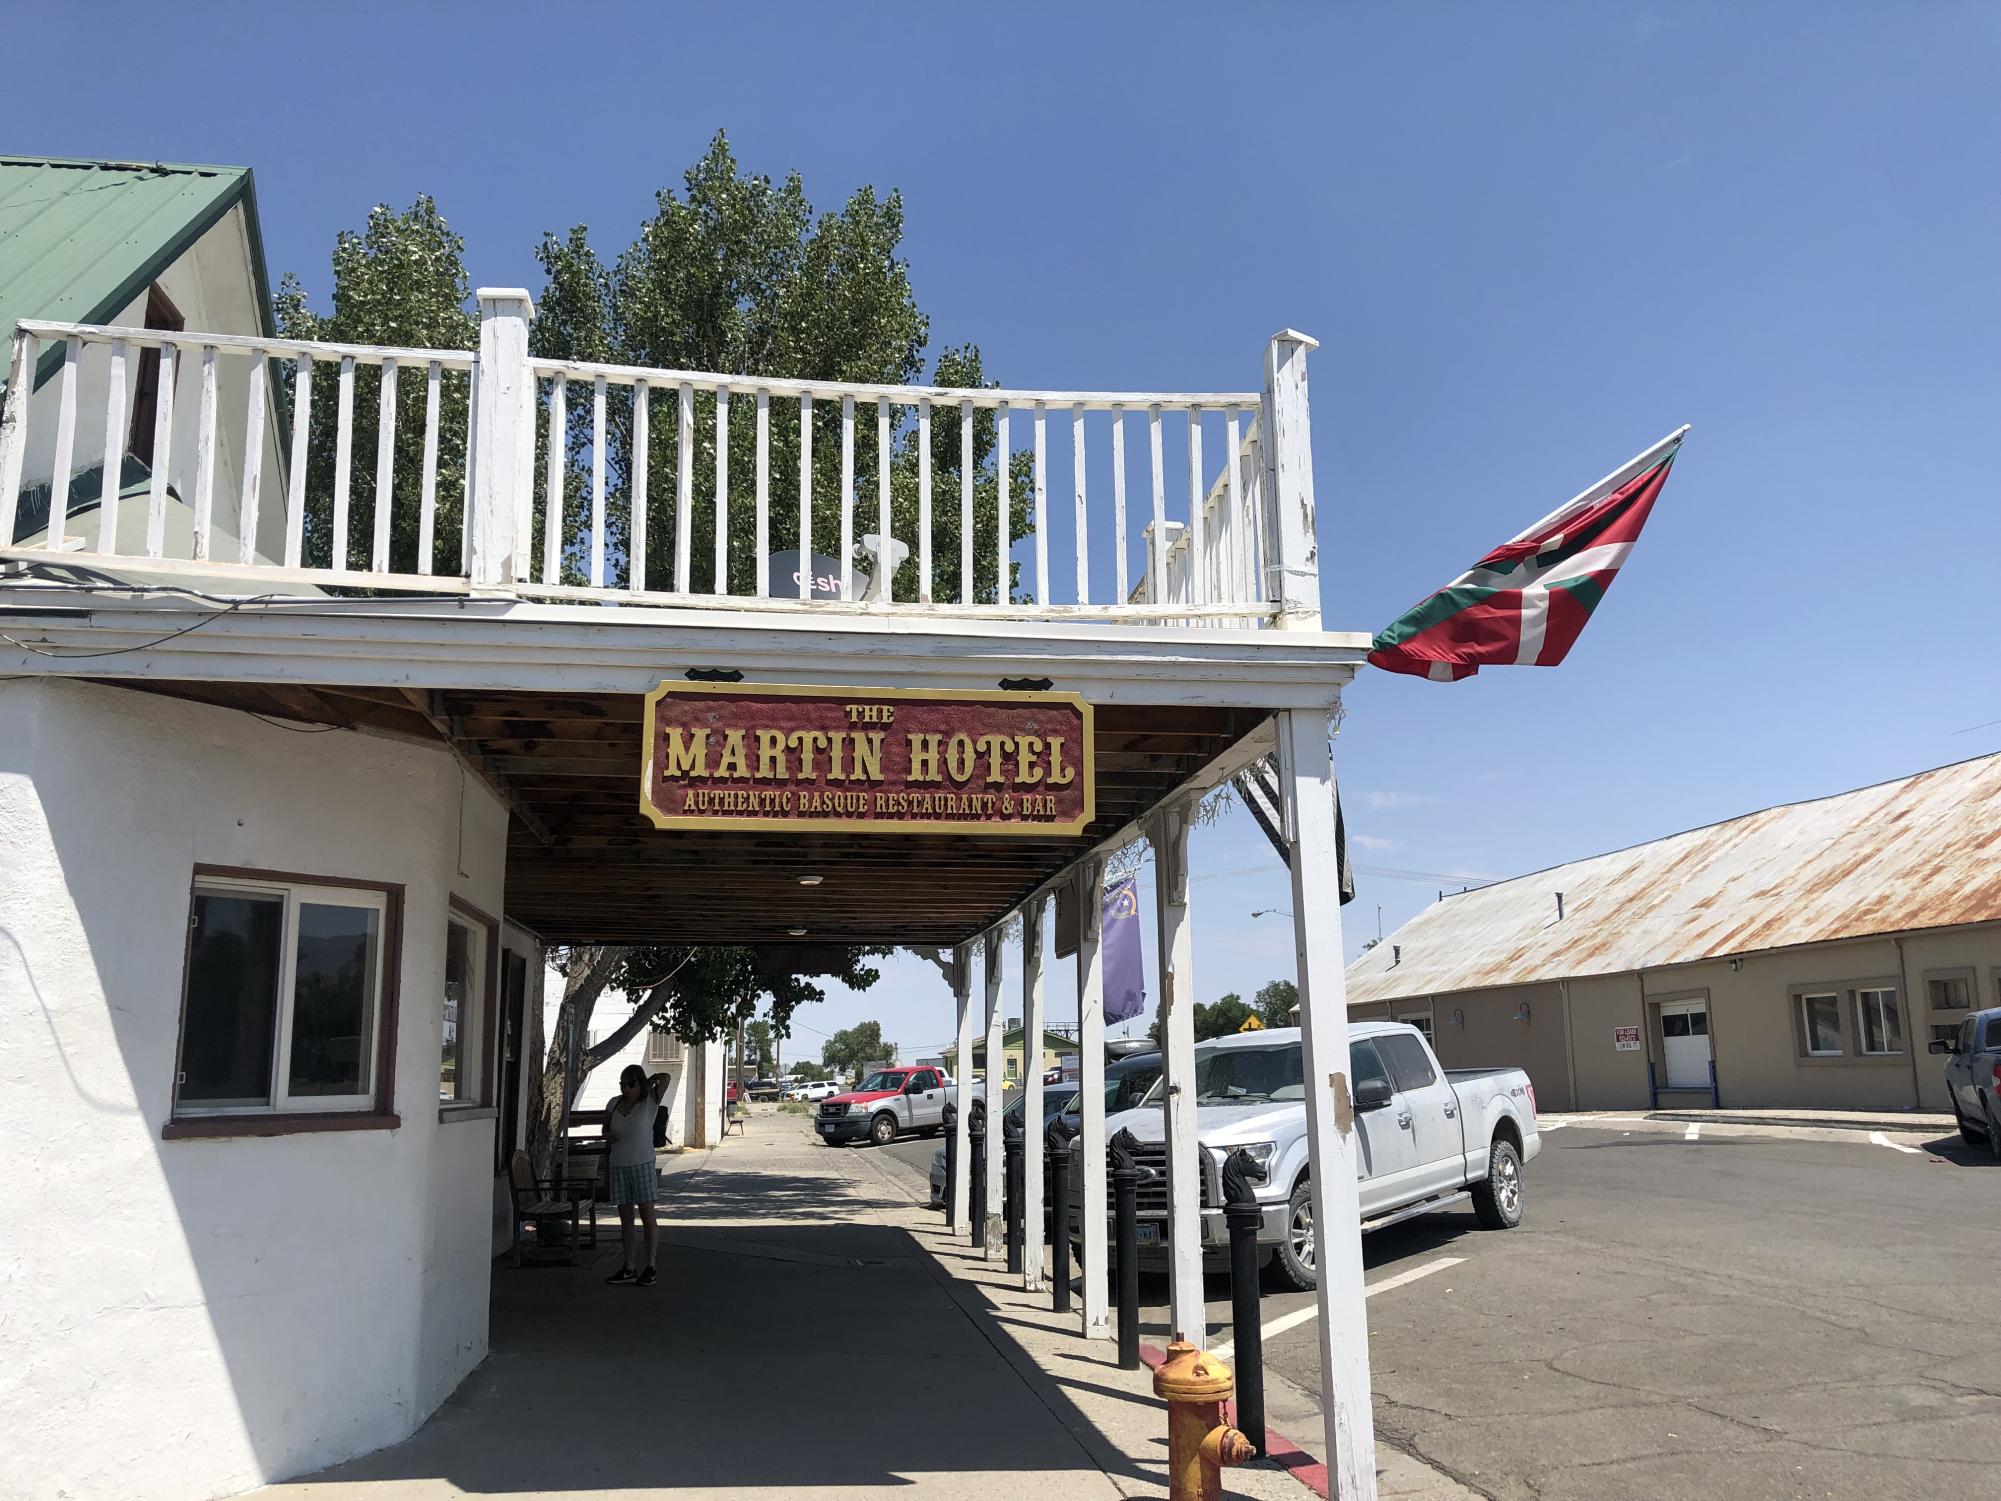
{"x": 585, "y": 866}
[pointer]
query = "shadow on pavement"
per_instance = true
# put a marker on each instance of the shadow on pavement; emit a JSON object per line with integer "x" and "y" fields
{"x": 800, "y": 1348}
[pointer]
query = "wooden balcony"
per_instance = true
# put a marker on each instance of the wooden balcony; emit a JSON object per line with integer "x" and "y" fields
{"x": 394, "y": 473}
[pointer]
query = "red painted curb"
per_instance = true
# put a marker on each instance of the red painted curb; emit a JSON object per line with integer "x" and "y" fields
{"x": 1279, "y": 1449}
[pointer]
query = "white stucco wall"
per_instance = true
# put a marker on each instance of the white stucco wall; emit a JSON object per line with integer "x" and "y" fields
{"x": 187, "y": 1318}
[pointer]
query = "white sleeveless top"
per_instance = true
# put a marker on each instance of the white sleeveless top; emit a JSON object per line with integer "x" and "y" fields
{"x": 632, "y": 1135}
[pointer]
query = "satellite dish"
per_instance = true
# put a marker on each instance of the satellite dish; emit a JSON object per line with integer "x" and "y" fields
{"x": 898, "y": 551}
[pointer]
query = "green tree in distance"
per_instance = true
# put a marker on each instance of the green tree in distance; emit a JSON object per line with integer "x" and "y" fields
{"x": 401, "y": 281}
{"x": 1215, "y": 1019}
{"x": 737, "y": 275}
{"x": 852, "y": 1047}
{"x": 1275, "y": 1002}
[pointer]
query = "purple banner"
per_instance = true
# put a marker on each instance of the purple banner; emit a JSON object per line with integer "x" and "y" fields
{"x": 1125, "y": 968}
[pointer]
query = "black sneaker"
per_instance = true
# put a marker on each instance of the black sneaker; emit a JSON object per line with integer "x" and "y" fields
{"x": 648, "y": 1277}
{"x": 623, "y": 1274}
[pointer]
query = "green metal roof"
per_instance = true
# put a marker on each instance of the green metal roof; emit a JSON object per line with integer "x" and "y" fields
{"x": 79, "y": 240}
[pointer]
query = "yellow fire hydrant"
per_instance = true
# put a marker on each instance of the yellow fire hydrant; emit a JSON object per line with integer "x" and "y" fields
{"x": 1199, "y": 1442}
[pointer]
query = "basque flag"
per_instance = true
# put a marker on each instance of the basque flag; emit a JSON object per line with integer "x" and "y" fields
{"x": 1526, "y": 602}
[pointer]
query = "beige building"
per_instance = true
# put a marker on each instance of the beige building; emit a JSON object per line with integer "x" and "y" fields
{"x": 1803, "y": 955}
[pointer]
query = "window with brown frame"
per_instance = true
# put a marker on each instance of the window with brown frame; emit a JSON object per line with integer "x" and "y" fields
{"x": 467, "y": 1029}
{"x": 288, "y": 1005}
{"x": 161, "y": 314}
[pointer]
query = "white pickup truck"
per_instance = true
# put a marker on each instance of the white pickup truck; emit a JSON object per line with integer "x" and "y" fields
{"x": 1427, "y": 1138}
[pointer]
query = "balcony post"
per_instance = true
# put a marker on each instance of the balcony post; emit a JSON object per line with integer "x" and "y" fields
{"x": 503, "y": 442}
{"x": 1292, "y": 569}
{"x": 1306, "y": 780}
{"x": 1168, "y": 834}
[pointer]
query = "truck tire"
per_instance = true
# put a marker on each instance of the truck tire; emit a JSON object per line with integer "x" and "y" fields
{"x": 1294, "y": 1266}
{"x": 1969, "y": 1133}
{"x": 1993, "y": 1130}
{"x": 1497, "y": 1198}
{"x": 882, "y": 1130}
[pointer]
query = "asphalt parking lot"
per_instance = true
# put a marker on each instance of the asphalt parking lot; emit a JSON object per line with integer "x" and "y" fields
{"x": 1749, "y": 1313}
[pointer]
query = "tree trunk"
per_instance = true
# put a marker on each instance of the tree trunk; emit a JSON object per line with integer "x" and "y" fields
{"x": 590, "y": 972}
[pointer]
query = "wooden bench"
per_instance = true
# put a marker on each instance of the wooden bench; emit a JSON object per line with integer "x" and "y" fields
{"x": 568, "y": 1201}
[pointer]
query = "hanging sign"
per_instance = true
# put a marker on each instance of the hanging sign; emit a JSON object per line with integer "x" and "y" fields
{"x": 866, "y": 760}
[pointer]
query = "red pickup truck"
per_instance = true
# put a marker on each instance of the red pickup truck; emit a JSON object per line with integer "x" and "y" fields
{"x": 888, "y": 1102}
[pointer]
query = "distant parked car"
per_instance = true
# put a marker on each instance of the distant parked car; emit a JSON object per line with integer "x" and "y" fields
{"x": 820, "y": 1089}
{"x": 1127, "y": 1080}
{"x": 1973, "y": 1076}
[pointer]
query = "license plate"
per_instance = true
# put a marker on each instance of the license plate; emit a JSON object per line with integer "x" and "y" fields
{"x": 1149, "y": 1235}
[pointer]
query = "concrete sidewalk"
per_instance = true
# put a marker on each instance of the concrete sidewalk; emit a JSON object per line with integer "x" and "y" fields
{"x": 1916, "y": 1122}
{"x": 814, "y": 1333}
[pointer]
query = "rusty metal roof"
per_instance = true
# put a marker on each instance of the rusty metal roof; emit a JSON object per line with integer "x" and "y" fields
{"x": 1920, "y": 852}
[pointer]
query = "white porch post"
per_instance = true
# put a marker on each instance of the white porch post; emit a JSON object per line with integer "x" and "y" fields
{"x": 1091, "y": 1081}
{"x": 1292, "y": 558}
{"x": 504, "y": 394}
{"x": 1032, "y": 1019}
{"x": 1187, "y": 1317}
{"x": 995, "y": 1096}
{"x": 1306, "y": 776}
{"x": 962, "y": 996}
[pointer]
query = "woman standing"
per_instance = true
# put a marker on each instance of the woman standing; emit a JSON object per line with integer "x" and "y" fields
{"x": 635, "y": 1178}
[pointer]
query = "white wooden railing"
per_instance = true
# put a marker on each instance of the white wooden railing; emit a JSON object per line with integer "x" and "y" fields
{"x": 549, "y": 469}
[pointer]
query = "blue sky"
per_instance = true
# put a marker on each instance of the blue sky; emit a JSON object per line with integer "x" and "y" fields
{"x": 1530, "y": 238}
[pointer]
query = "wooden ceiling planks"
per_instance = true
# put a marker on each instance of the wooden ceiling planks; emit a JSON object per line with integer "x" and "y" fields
{"x": 584, "y": 865}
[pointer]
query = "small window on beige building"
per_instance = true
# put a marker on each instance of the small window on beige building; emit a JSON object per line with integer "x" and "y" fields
{"x": 1820, "y": 1024}
{"x": 1879, "y": 1022}
{"x": 1950, "y": 991}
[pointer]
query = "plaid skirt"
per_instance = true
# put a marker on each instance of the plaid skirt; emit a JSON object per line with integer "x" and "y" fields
{"x": 635, "y": 1185}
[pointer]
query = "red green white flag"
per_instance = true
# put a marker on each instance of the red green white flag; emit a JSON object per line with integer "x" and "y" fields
{"x": 1526, "y": 602}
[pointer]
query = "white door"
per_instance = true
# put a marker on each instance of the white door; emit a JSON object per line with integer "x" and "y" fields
{"x": 1388, "y": 1158}
{"x": 1685, "y": 1044}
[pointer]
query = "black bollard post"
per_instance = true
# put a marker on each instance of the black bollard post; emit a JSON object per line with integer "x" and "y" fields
{"x": 1125, "y": 1245}
{"x": 951, "y": 1165}
{"x": 1241, "y": 1213}
{"x": 1012, "y": 1186}
{"x": 1058, "y": 1137}
{"x": 976, "y": 1149}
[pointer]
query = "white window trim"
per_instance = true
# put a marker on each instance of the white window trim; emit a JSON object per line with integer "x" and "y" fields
{"x": 1800, "y": 999}
{"x": 1861, "y": 1029}
{"x": 281, "y": 1102}
{"x": 473, "y": 1040}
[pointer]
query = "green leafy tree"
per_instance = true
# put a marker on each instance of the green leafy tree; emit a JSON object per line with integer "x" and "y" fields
{"x": 757, "y": 1043}
{"x": 737, "y": 275}
{"x": 852, "y": 1047}
{"x": 809, "y": 1071}
{"x": 400, "y": 280}
{"x": 1275, "y": 1002}
{"x": 1215, "y": 1019}
{"x": 698, "y": 993}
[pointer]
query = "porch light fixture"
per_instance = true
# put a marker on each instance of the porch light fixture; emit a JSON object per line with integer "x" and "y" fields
{"x": 811, "y": 880}
{"x": 797, "y": 932}
{"x": 1458, "y": 1018}
{"x": 1522, "y": 1015}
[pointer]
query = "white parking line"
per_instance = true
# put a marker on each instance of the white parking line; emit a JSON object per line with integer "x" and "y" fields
{"x": 1883, "y": 1141}
{"x": 1693, "y": 1133}
{"x": 1311, "y": 1312}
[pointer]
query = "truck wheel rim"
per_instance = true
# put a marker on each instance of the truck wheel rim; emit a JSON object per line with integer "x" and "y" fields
{"x": 1510, "y": 1185}
{"x": 1301, "y": 1233}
